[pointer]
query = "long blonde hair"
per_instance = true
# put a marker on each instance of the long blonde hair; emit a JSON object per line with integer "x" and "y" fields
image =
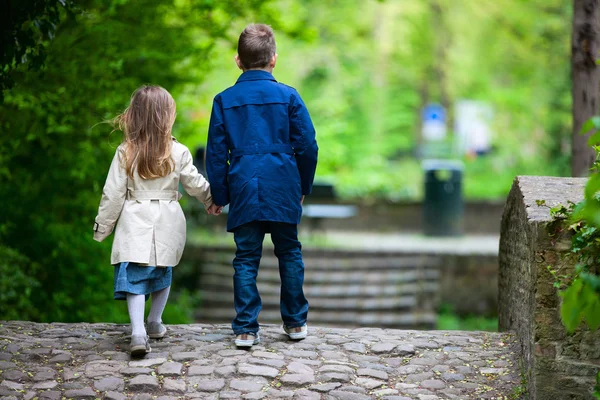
{"x": 146, "y": 125}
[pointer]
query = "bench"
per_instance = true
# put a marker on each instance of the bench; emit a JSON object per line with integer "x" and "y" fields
{"x": 316, "y": 212}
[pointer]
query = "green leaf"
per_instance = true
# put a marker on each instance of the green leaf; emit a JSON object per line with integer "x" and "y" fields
{"x": 592, "y": 317}
{"x": 592, "y": 187}
{"x": 591, "y": 213}
{"x": 592, "y": 123}
{"x": 571, "y": 311}
{"x": 592, "y": 281}
{"x": 579, "y": 210}
{"x": 594, "y": 139}
{"x": 586, "y": 127}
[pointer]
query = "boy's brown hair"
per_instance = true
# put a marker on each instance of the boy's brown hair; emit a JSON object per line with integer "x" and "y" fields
{"x": 256, "y": 46}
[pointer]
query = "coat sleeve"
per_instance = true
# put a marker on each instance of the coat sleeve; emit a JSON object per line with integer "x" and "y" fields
{"x": 303, "y": 140}
{"x": 217, "y": 156}
{"x": 113, "y": 198}
{"x": 193, "y": 182}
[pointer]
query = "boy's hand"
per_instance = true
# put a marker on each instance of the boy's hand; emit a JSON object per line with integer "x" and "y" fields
{"x": 214, "y": 209}
{"x": 302, "y": 200}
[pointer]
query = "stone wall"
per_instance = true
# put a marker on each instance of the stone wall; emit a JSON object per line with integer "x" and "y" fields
{"x": 469, "y": 283}
{"x": 558, "y": 365}
{"x": 481, "y": 217}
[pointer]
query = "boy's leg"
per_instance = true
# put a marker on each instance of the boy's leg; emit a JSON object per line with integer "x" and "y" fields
{"x": 248, "y": 239}
{"x": 293, "y": 304}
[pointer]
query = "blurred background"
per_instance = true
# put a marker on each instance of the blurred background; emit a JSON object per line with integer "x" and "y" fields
{"x": 425, "y": 112}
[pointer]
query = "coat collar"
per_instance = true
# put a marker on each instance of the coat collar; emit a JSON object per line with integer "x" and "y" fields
{"x": 256, "y": 75}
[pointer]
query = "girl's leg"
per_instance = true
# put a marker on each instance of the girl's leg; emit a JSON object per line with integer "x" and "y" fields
{"x": 135, "y": 304}
{"x": 159, "y": 301}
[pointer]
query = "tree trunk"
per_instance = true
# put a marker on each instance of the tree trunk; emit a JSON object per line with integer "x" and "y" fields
{"x": 586, "y": 79}
{"x": 440, "y": 62}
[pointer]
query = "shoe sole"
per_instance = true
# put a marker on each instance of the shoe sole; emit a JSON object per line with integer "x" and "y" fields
{"x": 247, "y": 343}
{"x": 157, "y": 335}
{"x": 139, "y": 351}
{"x": 298, "y": 335}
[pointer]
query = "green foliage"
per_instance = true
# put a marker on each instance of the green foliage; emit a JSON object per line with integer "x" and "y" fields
{"x": 448, "y": 320}
{"x": 19, "y": 279}
{"x": 27, "y": 26}
{"x": 561, "y": 211}
{"x": 366, "y": 69}
{"x": 580, "y": 303}
{"x": 581, "y": 291}
{"x": 581, "y": 300}
{"x": 55, "y": 150}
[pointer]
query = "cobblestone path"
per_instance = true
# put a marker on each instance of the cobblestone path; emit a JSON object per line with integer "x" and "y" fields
{"x": 90, "y": 361}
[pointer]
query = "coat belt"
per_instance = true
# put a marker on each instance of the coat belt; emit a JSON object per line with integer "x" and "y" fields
{"x": 263, "y": 149}
{"x": 153, "y": 195}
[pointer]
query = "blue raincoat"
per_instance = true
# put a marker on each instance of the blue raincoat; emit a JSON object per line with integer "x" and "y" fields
{"x": 262, "y": 153}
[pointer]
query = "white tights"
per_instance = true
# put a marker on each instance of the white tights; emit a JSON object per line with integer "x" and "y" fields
{"x": 136, "y": 303}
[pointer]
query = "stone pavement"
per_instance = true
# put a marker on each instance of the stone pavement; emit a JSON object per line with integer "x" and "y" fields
{"x": 90, "y": 361}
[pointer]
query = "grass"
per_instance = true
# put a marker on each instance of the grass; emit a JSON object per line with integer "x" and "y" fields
{"x": 520, "y": 391}
{"x": 449, "y": 321}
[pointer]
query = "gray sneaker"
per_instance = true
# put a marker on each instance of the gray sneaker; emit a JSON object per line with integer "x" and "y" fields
{"x": 156, "y": 330}
{"x": 139, "y": 346}
{"x": 247, "y": 339}
{"x": 297, "y": 333}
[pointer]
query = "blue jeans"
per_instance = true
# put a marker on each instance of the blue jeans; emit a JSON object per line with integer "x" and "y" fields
{"x": 249, "y": 239}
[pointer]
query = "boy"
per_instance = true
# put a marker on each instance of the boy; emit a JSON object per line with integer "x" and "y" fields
{"x": 261, "y": 159}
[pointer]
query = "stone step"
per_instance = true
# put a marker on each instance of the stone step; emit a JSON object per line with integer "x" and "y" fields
{"x": 331, "y": 318}
{"x": 343, "y": 287}
{"x": 213, "y": 283}
{"x": 372, "y": 262}
{"x": 335, "y": 277}
{"x": 319, "y": 303}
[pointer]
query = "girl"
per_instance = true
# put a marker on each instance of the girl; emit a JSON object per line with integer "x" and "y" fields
{"x": 141, "y": 193}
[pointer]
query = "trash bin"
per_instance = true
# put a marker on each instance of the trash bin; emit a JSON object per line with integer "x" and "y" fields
{"x": 443, "y": 206}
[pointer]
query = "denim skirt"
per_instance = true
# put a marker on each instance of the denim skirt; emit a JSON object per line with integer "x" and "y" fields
{"x": 134, "y": 279}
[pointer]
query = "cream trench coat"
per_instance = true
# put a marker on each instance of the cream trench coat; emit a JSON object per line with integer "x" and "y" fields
{"x": 151, "y": 226}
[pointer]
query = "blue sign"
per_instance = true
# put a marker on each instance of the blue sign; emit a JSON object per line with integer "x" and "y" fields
{"x": 433, "y": 112}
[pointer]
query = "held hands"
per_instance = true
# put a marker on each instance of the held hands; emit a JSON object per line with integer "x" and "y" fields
{"x": 214, "y": 209}
{"x": 217, "y": 210}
